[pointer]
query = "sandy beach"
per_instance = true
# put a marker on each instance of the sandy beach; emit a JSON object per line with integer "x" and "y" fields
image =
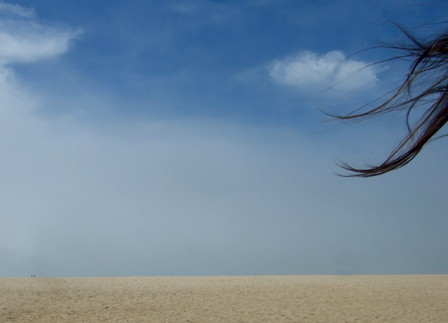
{"x": 226, "y": 299}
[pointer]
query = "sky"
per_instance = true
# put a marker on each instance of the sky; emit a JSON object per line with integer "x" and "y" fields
{"x": 185, "y": 138}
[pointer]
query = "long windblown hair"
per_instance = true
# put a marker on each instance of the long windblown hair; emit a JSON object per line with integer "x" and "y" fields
{"x": 426, "y": 87}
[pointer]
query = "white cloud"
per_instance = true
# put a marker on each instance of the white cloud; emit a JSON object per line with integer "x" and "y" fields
{"x": 15, "y": 9}
{"x": 25, "y": 40}
{"x": 33, "y": 44}
{"x": 309, "y": 71}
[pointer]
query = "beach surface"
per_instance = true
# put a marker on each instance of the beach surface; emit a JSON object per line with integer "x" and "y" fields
{"x": 226, "y": 299}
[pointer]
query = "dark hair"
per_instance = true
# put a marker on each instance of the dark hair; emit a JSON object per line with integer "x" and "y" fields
{"x": 426, "y": 85}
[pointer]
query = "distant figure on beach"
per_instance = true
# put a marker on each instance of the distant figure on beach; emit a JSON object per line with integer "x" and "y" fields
{"x": 426, "y": 85}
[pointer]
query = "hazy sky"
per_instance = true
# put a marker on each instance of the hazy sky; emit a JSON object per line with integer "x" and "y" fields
{"x": 185, "y": 138}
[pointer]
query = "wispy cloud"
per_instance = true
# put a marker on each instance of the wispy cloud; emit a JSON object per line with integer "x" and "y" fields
{"x": 310, "y": 71}
{"x": 33, "y": 43}
{"x": 208, "y": 12}
{"x": 16, "y": 10}
{"x": 26, "y": 40}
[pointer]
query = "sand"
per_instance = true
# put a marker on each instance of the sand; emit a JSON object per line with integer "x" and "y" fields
{"x": 226, "y": 299}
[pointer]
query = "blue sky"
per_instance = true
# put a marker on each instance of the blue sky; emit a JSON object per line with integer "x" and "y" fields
{"x": 186, "y": 138}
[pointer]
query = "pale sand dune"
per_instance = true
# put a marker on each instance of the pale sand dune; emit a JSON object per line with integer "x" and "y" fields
{"x": 226, "y": 299}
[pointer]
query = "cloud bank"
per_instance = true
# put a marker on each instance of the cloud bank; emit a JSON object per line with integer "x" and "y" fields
{"x": 310, "y": 71}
